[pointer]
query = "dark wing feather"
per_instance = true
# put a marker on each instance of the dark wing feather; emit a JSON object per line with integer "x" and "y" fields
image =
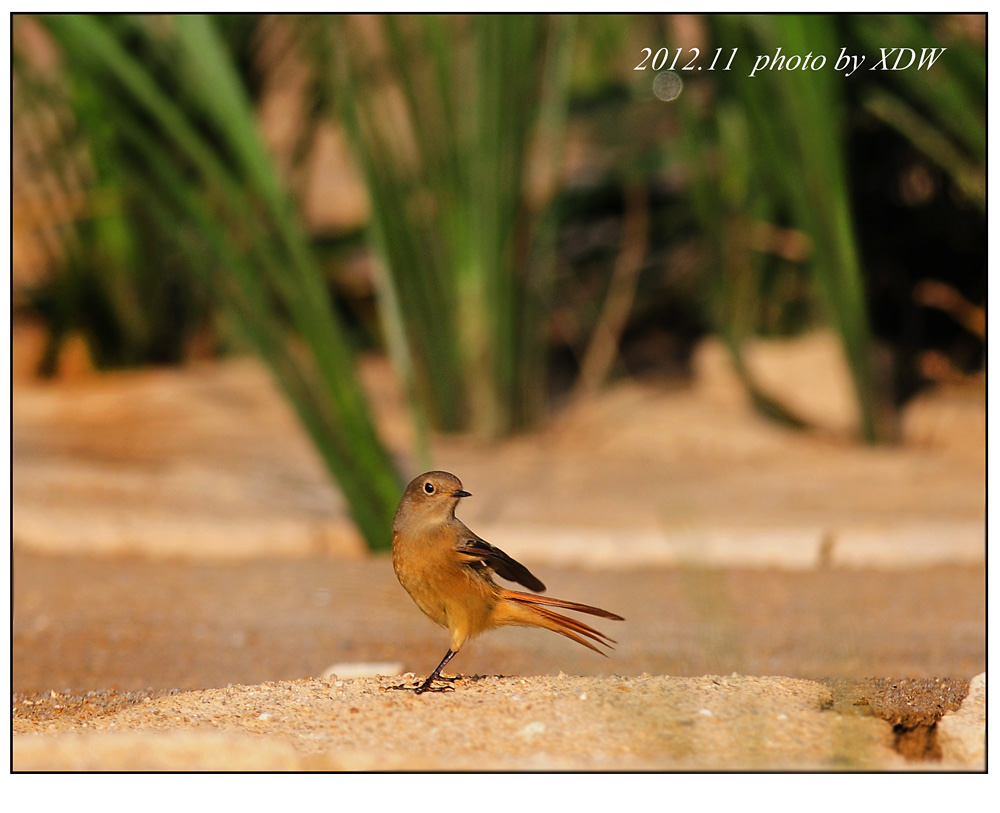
{"x": 479, "y": 552}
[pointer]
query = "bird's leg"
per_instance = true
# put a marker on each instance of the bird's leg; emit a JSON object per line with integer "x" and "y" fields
{"x": 427, "y": 686}
{"x": 436, "y": 674}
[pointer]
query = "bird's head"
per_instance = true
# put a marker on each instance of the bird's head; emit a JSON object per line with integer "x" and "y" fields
{"x": 431, "y": 497}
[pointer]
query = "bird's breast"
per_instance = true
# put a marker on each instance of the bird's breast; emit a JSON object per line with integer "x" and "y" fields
{"x": 448, "y": 592}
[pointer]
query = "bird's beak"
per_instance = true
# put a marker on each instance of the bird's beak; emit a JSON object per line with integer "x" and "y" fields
{"x": 461, "y": 493}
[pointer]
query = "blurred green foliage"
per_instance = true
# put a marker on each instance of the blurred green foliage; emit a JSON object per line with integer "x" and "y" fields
{"x": 443, "y": 113}
{"x": 780, "y": 146}
{"x": 120, "y": 280}
{"x": 536, "y": 212}
{"x": 185, "y": 141}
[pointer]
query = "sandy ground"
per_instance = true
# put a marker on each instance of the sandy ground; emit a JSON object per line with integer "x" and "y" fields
{"x": 550, "y": 723}
{"x": 118, "y": 664}
{"x": 185, "y": 579}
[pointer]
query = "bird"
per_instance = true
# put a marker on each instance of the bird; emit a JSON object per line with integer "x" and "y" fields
{"x": 448, "y": 572}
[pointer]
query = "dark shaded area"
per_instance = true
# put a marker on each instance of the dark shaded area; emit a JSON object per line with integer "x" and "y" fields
{"x": 914, "y": 226}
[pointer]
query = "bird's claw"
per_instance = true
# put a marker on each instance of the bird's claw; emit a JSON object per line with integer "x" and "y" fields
{"x": 428, "y": 685}
{"x": 432, "y": 688}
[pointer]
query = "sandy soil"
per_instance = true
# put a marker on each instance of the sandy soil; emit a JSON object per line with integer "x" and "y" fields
{"x": 889, "y": 656}
{"x": 547, "y": 723}
{"x": 487, "y": 723}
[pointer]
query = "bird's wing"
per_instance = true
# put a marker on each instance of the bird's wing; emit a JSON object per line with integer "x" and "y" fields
{"x": 478, "y": 553}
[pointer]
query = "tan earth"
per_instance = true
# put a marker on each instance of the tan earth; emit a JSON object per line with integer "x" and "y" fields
{"x": 185, "y": 579}
{"x": 542, "y": 723}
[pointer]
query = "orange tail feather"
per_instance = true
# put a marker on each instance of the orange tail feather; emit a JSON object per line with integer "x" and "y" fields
{"x": 524, "y": 609}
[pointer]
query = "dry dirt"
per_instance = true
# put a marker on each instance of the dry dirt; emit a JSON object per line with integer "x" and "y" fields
{"x": 115, "y": 663}
{"x": 543, "y": 723}
{"x": 184, "y": 577}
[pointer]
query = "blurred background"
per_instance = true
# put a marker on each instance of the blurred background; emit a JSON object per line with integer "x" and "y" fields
{"x": 266, "y": 268}
{"x": 502, "y": 206}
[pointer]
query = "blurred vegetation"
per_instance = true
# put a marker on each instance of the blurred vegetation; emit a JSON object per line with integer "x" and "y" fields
{"x": 451, "y": 120}
{"x": 539, "y": 220}
{"x": 185, "y": 143}
{"x": 782, "y": 140}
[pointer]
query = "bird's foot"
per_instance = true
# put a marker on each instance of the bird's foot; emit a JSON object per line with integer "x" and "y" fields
{"x": 429, "y": 685}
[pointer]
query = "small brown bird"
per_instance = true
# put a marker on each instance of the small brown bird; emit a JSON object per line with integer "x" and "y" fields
{"x": 448, "y": 571}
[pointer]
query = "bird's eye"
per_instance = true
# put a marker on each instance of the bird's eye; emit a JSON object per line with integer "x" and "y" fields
{"x": 429, "y": 488}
